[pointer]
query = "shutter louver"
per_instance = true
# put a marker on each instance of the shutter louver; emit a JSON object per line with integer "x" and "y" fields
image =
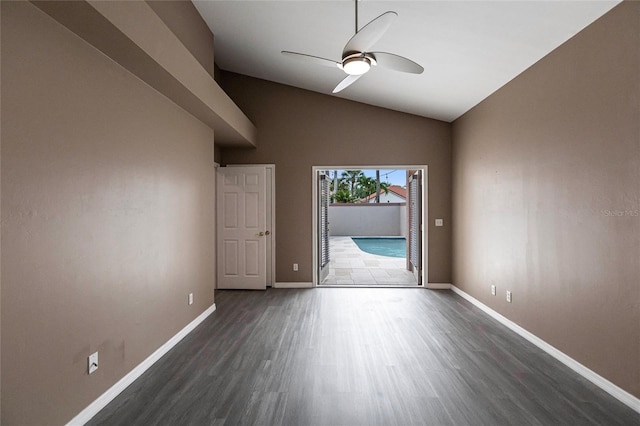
{"x": 324, "y": 221}
{"x": 414, "y": 194}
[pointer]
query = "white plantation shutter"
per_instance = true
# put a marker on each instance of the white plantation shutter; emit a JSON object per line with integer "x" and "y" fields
{"x": 414, "y": 219}
{"x": 323, "y": 222}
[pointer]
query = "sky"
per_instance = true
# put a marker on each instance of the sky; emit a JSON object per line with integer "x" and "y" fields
{"x": 393, "y": 176}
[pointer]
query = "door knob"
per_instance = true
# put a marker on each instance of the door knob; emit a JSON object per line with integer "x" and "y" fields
{"x": 261, "y": 234}
{"x": 267, "y": 233}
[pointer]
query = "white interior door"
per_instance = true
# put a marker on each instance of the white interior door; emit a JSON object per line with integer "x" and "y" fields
{"x": 242, "y": 231}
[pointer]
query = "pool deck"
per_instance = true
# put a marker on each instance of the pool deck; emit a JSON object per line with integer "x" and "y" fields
{"x": 351, "y": 266}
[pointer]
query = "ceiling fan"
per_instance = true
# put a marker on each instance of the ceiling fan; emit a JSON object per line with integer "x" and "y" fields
{"x": 356, "y": 57}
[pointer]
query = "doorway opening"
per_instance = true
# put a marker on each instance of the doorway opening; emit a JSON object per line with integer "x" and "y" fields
{"x": 368, "y": 225}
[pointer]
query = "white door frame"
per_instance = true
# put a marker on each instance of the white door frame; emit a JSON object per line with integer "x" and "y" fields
{"x": 270, "y": 217}
{"x": 425, "y": 212}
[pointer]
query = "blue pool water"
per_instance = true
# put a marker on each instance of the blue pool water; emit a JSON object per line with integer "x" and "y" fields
{"x": 392, "y": 247}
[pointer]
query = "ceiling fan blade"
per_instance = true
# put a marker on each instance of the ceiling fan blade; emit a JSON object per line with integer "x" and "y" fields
{"x": 346, "y": 82}
{"x": 396, "y": 62}
{"x": 311, "y": 59}
{"x": 369, "y": 34}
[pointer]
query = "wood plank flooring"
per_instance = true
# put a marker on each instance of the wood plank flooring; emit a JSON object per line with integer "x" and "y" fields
{"x": 357, "y": 356}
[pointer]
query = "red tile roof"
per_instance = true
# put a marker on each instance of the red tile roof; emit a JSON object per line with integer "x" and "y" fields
{"x": 398, "y": 190}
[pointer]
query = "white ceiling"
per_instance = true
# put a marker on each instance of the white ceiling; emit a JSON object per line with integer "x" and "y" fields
{"x": 469, "y": 49}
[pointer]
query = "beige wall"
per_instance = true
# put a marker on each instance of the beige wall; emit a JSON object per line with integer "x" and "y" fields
{"x": 540, "y": 167}
{"x": 107, "y": 219}
{"x": 184, "y": 20}
{"x": 0, "y": 216}
{"x": 299, "y": 129}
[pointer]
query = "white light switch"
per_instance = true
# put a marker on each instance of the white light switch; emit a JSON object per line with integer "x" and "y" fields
{"x": 191, "y": 298}
{"x": 439, "y": 222}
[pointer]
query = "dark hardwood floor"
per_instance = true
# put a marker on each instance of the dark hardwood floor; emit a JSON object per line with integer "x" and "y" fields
{"x": 356, "y": 356}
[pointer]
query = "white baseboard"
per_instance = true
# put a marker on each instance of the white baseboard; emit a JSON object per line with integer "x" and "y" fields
{"x": 604, "y": 384}
{"x": 92, "y": 409}
{"x": 292, "y": 285}
{"x": 438, "y": 286}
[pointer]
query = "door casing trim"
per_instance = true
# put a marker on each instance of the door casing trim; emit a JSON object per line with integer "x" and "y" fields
{"x": 425, "y": 212}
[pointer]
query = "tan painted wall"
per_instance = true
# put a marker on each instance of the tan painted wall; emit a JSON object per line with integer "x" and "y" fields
{"x": 540, "y": 167}
{"x": 107, "y": 219}
{"x": 184, "y": 20}
{"x": 0, "y": 217}
{"x": 299, "y": 129}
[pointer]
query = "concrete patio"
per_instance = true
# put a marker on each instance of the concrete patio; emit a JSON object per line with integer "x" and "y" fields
{"x": 351, "y": 266}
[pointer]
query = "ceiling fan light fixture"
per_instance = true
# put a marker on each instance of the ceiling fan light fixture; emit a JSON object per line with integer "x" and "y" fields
{"x": 356, "y": 66}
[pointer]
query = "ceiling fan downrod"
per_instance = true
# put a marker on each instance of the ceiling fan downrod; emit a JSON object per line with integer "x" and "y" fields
{"x": 356, "y": 2}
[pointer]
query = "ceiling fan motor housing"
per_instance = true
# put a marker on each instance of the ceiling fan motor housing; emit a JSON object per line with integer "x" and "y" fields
{"x": 358, "y": 63}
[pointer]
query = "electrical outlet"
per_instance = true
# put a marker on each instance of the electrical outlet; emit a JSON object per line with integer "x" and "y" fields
{"x": 493, "y": 290}
{"x": 93, "y": 362}
{"x": 191, "y": 298}
{"x": 295, "y": 267}
{"x": 439, "y": 222}
{"x": 508, "y": 296}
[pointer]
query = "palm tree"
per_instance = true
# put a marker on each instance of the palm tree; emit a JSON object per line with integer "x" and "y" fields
{"x": 366, "y": 187}
{"x": 343, "y": 196}
{"x": 351, "y": 177}
{"x": 384, "y": 187}
{"x": 354, "y": 185}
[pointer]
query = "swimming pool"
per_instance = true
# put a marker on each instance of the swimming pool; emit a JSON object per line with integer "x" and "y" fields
{"x": 392, "y": 247}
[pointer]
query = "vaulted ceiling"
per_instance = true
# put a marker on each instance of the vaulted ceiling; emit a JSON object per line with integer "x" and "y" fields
{"x": 468, "y": 49}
